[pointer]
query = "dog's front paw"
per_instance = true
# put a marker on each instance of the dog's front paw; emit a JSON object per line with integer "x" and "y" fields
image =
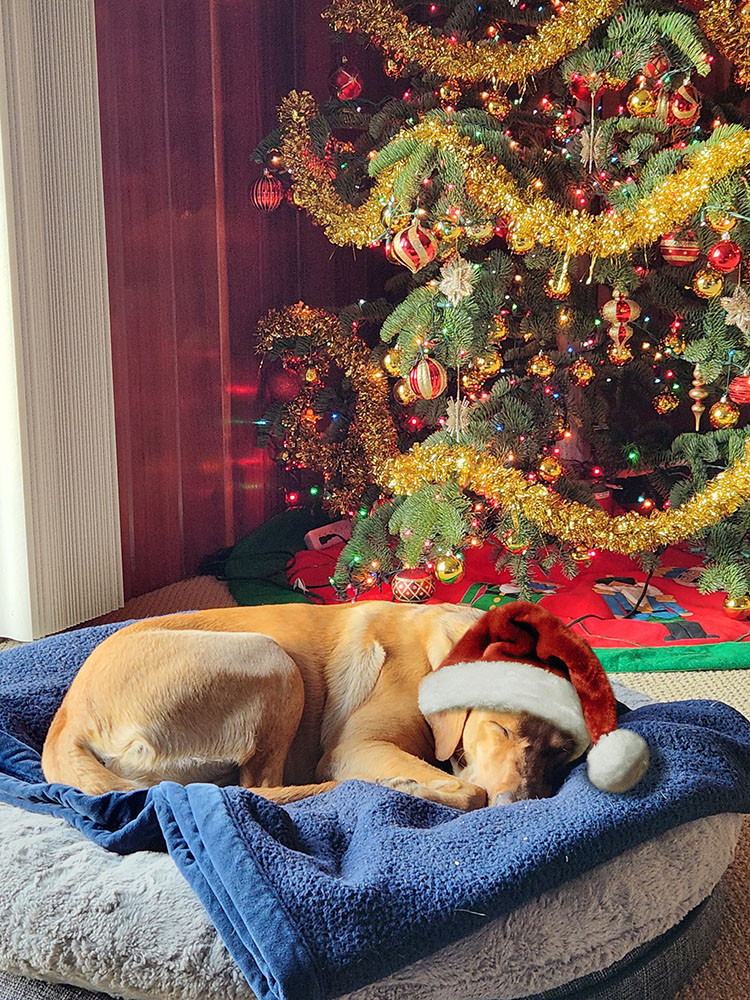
{"x": 447, "y": 791}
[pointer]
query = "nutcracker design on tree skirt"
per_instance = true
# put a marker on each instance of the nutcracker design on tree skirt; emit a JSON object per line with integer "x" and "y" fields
{"x": 563, "y": 208}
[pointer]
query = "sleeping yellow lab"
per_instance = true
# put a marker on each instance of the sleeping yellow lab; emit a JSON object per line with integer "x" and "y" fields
{"x": 289, "y": 700}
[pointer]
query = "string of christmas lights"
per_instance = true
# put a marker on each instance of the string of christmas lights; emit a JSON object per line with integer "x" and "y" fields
{"x": 499, "y": 62}
{"x": 373, "y": 436}
{"x": 536, "y": 219}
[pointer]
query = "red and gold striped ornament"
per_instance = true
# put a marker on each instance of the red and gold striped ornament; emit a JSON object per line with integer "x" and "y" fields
{"x": 267, "y": 193}
{"x": 739, "y": 389}
{"x": 679, "y": 249}
{"x": 428, "y": 378}
{"x": 620, "y": 309}
{"x": 414, "y": 247}
{"x": 413, "y": 586}
{"x": 684, "y": 106}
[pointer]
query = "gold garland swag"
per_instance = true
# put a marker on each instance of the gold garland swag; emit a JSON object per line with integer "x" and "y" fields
{"x": 668, "y": 207}
{"x": 487, "y": 475}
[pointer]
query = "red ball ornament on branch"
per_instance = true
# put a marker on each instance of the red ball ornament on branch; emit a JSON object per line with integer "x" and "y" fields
{"x": 679, "y": 249}
{"x": 345, "y": 82}
{"x": 739, "y": 389}
{"x": 725, "y": 256}
{"x": 414, "y": 247}
{"x": 267, "y": 193}
{"x": 684, "y": 106}
{"x": 284, "y": 386}
{"x": 428, "y": 378}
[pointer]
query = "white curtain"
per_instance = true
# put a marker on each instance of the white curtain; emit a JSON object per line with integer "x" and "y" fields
{"x": 60, "y": 558}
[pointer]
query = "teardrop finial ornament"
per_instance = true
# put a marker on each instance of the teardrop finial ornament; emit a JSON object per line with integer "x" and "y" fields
{"x": 698, "y": 393}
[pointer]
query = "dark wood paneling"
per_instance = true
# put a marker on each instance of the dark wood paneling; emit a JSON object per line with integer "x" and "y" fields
{"x": 267, "y": 50}
{"x": 168, "y": 341}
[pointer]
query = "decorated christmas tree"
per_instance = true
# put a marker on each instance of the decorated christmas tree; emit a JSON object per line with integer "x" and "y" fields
{"x": 567, "y": 213}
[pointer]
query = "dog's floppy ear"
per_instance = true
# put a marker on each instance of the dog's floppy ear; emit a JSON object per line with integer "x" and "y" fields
{"x": 447, "y": 728}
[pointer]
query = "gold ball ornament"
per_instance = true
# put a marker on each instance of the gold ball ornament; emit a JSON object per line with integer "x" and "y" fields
{"x": 391, "y": 360}
{"x": 520, "y": 243}
{"x": 721, "y": 222}
{"x": 707, "y": 283}
{"x": 724, "y": 414}
{"x": 674, "y": 342}
{"x": 550, "y": 469}
{"x": 541, "y": 365}
{"x": 403, "y": 392}
{"x": 472, "y": 381}
{"x": 449, "y": 569}
{"x": 737, "y": 607}
{"x": 582, "y": 372}
{"x": 498, "y": 329}
{"x": 665, "y": 402}
{"x": 641, "y": 103}
{"x": 619, "y": 354}
{"x": 311, "y": 375}
{"x": 581, "y": 555}
{"x": 495, "y": 103}
{"x": 480, "y": 232}
{"x": 557, "y": 286}
{"x": 488, "y": 363}
{"x": 446, "y": 230}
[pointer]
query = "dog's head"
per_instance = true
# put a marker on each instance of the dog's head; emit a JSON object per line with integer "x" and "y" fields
{"x": 513, "y": 755}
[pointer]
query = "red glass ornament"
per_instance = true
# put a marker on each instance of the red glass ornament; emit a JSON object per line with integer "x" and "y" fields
{"x": 346, "y": 82}
{"x": 267, "y": 193}
{"x": 414, "y": 247}
{"x": 580, "y": 89}
{"x": 284, "y": 386}
{"x": 725, "y": 256}
{"x": 679, "y": 249}
{"x": 655, "y": 67}
{"x": 684, "y": 106}
{"x": 428, "y": 378}
{"x": 739, "y": 389}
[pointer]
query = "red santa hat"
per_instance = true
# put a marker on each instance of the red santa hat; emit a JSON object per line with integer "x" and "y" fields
{"x": 520, "y": 658}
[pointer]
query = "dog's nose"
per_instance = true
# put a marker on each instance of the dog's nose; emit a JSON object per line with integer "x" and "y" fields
{"x": 502, "y": 799}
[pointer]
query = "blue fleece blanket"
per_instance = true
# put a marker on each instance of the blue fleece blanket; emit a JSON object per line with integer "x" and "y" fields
{"x": 320, "y": 898}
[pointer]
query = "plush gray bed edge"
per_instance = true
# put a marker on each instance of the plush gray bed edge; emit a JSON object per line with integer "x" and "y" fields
{"x": 656, "y": 970}
{"x": 73, "y": 913}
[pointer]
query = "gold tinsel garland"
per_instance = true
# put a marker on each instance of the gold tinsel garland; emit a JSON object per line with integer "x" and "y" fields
{"x": 502, "y": 63}
{"x": 668, "y": 207}
{"x": 371, "y": 436}
{"x": 727, "y": 24}
{"x": 483, "y": 473}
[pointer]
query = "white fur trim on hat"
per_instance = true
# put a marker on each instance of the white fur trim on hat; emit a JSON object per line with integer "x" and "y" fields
{"x": 617, "y": 761}
{"x": 507, "y": 686}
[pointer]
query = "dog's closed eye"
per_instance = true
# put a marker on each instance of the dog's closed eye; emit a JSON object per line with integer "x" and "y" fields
{"x": 498, "y": 728}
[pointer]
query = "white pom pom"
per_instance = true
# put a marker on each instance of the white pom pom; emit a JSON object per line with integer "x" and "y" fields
{"x": 617, "y": 761}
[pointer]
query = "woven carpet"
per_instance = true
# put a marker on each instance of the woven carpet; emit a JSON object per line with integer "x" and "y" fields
{"x": 726, "y": 976}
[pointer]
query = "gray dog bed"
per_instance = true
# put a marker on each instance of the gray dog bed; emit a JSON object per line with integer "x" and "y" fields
{"x": 75, "y": 914}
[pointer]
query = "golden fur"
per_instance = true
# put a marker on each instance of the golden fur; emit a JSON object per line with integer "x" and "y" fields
{"x": 288, "y": 700}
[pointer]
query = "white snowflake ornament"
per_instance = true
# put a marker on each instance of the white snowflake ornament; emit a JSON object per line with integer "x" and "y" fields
{"x": 737, "y": 306}
{"x": 457, "y": 417}
{"x": 457, "y": 280}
